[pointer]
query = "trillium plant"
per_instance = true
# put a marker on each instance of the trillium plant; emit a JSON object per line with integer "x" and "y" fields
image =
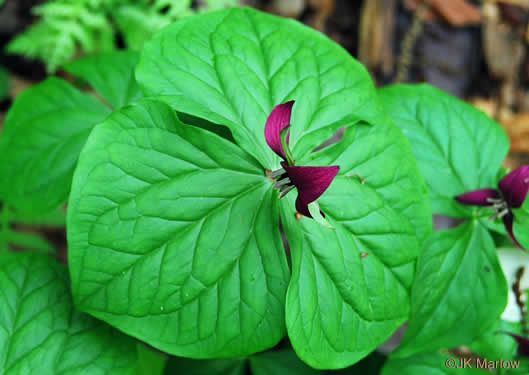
{"x": 510, "y": 195}
{"x": 240, "y": 198}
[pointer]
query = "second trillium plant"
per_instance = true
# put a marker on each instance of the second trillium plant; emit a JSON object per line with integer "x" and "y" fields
{"x": 506, "y": 200}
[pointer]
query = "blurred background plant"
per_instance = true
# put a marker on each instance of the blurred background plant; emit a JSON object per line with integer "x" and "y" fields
{"x": 68, "y": 28}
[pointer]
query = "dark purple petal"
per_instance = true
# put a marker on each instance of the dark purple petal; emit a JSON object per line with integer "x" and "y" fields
{"x": 508, "y": 221}
{"x": 303, "y": 208}
{"x": 478, "y": 197}
{"x": 276, "y": 122}
{"x": 523, "y": 344}
{"x": 515, "y": 186}
{"x": 311, "y": 183}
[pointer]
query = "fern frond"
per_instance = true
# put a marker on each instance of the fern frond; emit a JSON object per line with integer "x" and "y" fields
{"x": 69, "y": 26}
{"x": 64, "y": 28}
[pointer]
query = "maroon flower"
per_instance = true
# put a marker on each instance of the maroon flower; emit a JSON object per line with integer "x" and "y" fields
{"x": 311, "y": 182}
{"x": 510, "y": 194}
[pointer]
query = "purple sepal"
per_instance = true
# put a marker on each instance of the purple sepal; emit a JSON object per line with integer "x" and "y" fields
{"x": 508, "y": 221}
{"x": 311, "y": 183}
{"x": 276, "y": 122}
{"x": 478, "y": 197}
{"x": 515, "y": 186}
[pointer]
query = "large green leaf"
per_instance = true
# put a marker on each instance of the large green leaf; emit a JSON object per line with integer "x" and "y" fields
{"x": 111, "y": 75}
{"x": 347, "y": 295}
{"x": 380, "y": 157}
{"x": 350, "y": 286}
{"x": 41, "y": 332}
{"x": 173, "y": 237}
{"x": 43, "y": 135}
{"x": 232, "y": 67}
{"x": 459, "y": 290}
{"x": 458, "y": 147}
{"x": 429, "y": 364}
{"x": 340, "y": 305}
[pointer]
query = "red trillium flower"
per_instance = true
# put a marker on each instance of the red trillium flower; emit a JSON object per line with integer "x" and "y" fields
{"x": 510, "y": 194}
{"x": 311, "y": 182}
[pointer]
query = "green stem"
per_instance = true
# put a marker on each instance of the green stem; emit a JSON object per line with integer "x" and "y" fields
{"x": 479, "y": 215}
{"x": 286, "y": 149}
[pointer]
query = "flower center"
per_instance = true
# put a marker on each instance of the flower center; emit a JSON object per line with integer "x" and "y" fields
{"x": 500, "y": 207}
{"x": 282, "y": 182}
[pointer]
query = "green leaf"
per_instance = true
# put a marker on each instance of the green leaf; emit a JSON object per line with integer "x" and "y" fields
{"x": 341, "y": 304}
{"x": 523, "y": 368}
{"x": 41, "y": 331}
{"x": 380, "y": 157}
{"x": 281, "y": 362}
{"x": 521, "y": 224}
{"x": 372, "y": 364}
{"x": 43, "y": 135}
{"x": 458, "y": 293}
{"x": 150, "y": 361}
{"x": 233, "y": 66}
{"x": 22, "y": 240}
{"x": 495, "y": 344}
{"x": 178, "y": 366}
{"x": 457, "y": 146}
{"x": 173, "y": 237}
{"x": 428, "y": 364}
{"x": 350, "y": 286}
{"x": 52, "y": 219}
{"x": 494, "y": 226}
{"x": 111, "y": 75}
